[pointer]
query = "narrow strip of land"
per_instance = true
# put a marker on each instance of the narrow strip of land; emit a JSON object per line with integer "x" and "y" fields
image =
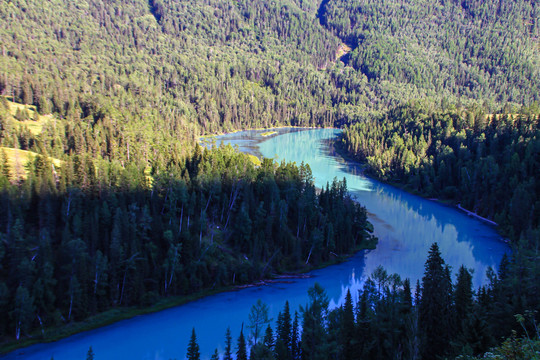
{"x": 475, "y": 215}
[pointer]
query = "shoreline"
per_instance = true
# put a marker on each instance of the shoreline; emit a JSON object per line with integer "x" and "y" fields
{"x": 475, "y": 215}
{"x": 343, "y": 153}
{"x": 116, "y": 315}
{"x": 202, "y": 137}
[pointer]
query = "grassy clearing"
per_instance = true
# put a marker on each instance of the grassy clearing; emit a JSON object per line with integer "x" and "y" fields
{"x": 269, "y": 133}
{"x": 35, "y": 121}
{"x": 18, "y": 159}
{"x": 35, "y": 126}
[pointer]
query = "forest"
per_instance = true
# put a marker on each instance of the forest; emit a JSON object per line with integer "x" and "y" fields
{"x": 465, "y": 157}
{"x": 107, "y": 201}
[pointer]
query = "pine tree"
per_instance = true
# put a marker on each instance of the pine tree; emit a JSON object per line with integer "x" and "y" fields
{"x": 263, "y": 350}
{"x": 283, "y": 336}
{"x": 90, "y": 354}
{"x": 406, "y": 297}
{"x": 284, "y": 332}
{"x": 463, "y": 295}
{"x": 193, "y": 348}
{"x": 295, "y": 338}
{"x": 435, "y": 320}
{"x": 23, "y": 311}
{"x": 463, "y": 314}
{"x": 215, "y": 355}
{"x": 228, "y": 345}
{"x": 269, "y": 337}
{"x": 241, "y": 350}
{"x": 258, "y": 317}
{"x": 347, "y": 328}
{"x": 313, "y": 326}
{"x": 4, "y": 164}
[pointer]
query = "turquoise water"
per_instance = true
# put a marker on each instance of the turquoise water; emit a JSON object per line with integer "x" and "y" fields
{"x": 406, "y": 226}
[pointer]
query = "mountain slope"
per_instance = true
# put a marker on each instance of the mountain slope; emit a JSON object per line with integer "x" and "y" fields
{"x": 476, "y": 49}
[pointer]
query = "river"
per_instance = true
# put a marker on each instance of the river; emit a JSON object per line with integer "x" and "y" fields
{"x": 406, "y": 226}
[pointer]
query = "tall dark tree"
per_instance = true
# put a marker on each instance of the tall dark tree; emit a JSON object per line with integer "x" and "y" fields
{"x": 314, "y": 344}
{"x": 463, "y": 297}
{"x": 90, "y": 354}
{"x": 241, "y": 347}
{"x": 295, "y": 338}
{"x": 347, "y": 337}
{"x": 193, "y": 352}
{"x": 215, "y": 355}
{"x": 283, "y": 334}
{"x": 435, "y": 307}
{"x": 269, "y": 338}
{"x": 228, "y": 345}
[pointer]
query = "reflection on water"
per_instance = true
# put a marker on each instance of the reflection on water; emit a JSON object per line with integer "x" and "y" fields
{"x": 406, "y": 226}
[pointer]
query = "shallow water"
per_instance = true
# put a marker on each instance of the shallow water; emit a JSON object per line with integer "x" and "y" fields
{"x": 406, "y": 226}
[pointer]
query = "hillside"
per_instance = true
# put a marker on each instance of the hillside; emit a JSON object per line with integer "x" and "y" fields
{"x": 483, "y": 50}
{"x": 180, "y": 69}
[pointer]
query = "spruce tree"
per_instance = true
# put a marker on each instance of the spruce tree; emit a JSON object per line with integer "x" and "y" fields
{"x": 193, "y": 348}
{"x": 435, "y": 320}
{"x": 463, "y": 296}
{"x": 228, "y": 345}
{"x": 407, "y": 300}
{"x": 295, "y": 339}
{"x": 90, "y": 354}
{"x": 467, "y": 338}
{"x": 269, "y": 337}
{"x": 314, "y": 332}
{"x": 241, "y": 349}
{"x": 215, "y": 355}
{"x": 283, "y": 334}
{"x": 347, "y": 328}
{"x": 4, "y": 164}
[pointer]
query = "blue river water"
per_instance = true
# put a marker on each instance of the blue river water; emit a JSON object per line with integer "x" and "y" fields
{"x": 406, "y": 226}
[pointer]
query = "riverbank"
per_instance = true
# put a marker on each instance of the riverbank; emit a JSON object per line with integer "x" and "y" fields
{"x": 105, "y": 318}
{"x": 210, "y": 136}
{"x": 347, "y": 157}
{"x": 119, "y": 314}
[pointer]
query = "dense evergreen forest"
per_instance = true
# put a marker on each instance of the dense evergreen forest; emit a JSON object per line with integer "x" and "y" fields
{"x": 388, "y": 320}
{"x": 486, "y": 50}
{"x": 107, "y": 201}
{"x": 467, "y": 157}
